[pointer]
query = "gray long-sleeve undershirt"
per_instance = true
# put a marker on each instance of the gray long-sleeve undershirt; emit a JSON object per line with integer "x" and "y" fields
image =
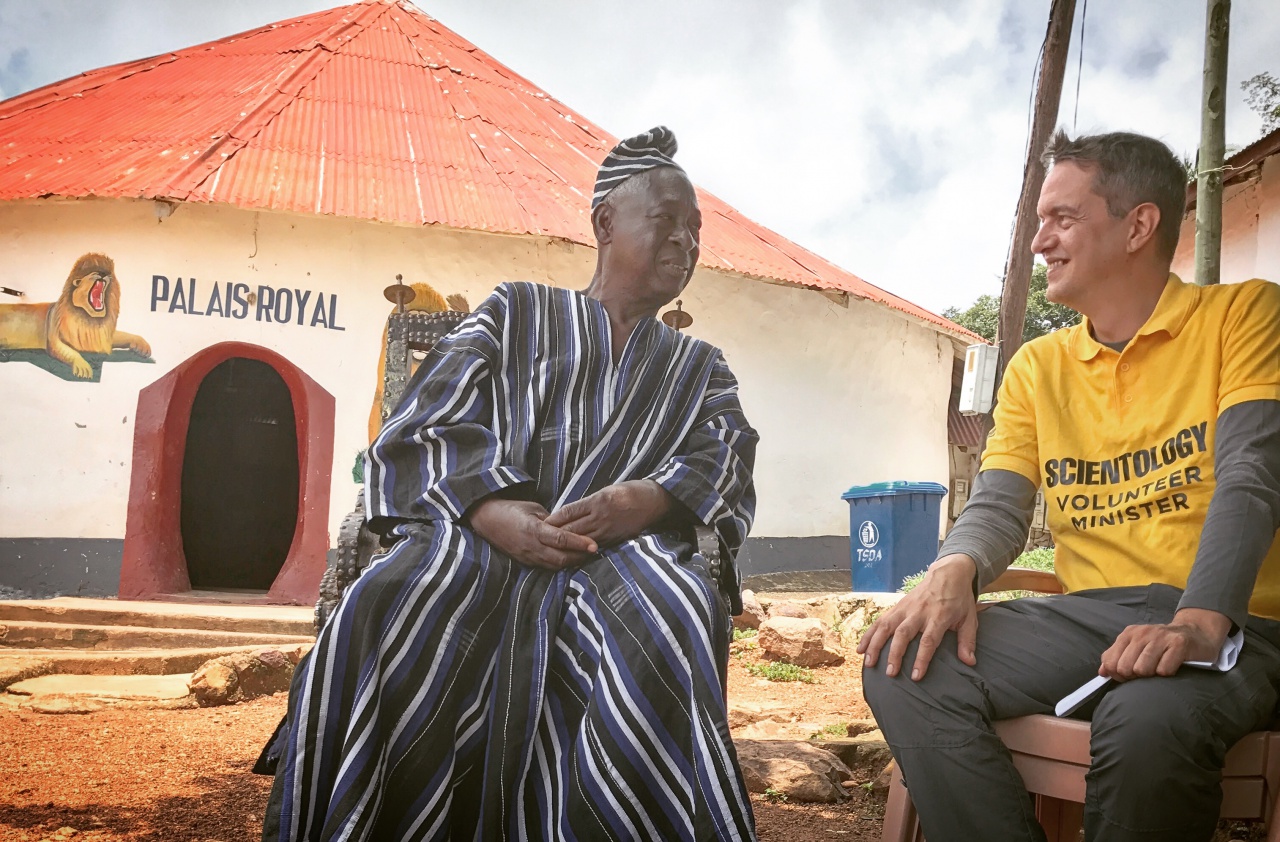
{"x": 992, "y": 528}
{"x": 1239, "y": 527}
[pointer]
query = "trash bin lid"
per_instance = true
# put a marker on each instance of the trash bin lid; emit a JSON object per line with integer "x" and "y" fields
{"x": 890, "y": 489}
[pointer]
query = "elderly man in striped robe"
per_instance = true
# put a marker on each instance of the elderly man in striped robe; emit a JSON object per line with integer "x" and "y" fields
{"x": 541, "y": 652}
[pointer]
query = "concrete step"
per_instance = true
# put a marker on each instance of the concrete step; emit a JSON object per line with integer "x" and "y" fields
{"x": 257, "y": 619}
{"x": 33, "y": 634}
{"x": 128, "y": 687}
{"x": 25, "y": 663}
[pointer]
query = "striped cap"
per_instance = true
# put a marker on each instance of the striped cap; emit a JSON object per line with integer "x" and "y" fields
{"x": 646, "y": 151}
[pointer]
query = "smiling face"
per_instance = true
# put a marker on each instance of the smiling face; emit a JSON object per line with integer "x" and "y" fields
{"x": 1085, "y": 246}
{"x": 652, "y": 235}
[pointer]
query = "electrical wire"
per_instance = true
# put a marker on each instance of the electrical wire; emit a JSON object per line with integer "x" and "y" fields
{"x": 1084, "y": 13}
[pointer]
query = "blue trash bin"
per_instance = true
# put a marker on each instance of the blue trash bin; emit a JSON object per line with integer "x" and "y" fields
{"x": 893, "y": 531}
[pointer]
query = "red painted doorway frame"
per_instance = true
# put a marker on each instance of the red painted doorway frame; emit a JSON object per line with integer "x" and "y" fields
{"x": 154, "y": 564}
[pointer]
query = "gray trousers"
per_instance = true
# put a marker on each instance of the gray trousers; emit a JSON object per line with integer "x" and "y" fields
{"x": 1158, "y": 744}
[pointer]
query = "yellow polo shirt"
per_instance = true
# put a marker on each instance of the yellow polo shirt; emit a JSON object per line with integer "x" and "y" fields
{"x": 1122, "y": 443}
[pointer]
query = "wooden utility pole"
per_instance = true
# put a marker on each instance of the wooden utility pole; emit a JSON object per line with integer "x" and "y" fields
{"x": 1213, "y": 121}
{"x": 1017, "y": 274}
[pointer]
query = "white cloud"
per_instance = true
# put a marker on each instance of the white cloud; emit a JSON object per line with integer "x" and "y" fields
{"x": 888, "y": 137}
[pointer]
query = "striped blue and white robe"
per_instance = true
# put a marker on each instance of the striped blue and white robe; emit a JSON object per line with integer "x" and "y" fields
{"x": 458, "y": 695}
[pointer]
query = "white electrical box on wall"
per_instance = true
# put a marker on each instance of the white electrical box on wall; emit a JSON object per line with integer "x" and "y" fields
{"x": 959, "y": 497}
{"x": 978, "y": 385}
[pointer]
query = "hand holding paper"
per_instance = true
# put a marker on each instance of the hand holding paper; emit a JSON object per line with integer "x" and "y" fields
{"x": 1227, "y": 657}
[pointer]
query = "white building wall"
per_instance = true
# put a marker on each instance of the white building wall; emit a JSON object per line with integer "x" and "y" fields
{"x": 841, "y": 395}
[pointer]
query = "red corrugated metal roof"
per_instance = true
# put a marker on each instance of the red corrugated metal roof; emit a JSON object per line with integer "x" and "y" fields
{"x": 966, "y": 430}
{"x": 374, "y": 111}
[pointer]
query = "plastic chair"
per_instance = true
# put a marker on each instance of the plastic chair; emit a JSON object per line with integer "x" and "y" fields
{"x": 1052, "y": 755}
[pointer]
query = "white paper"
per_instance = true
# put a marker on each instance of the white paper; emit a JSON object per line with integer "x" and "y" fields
{"x": 1068, "y": 704}
{"x": 1227, "y": 657}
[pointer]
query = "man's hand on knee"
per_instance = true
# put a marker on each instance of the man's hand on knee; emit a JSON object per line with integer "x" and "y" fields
{"x": 1196, "y": 634}
{"x": 942, "y": 602}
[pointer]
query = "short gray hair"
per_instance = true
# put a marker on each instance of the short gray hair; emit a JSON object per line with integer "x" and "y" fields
{"x": 1131, "y": 170}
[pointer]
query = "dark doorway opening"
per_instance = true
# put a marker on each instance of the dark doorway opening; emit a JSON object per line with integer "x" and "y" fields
{"x": 239, "y": 478}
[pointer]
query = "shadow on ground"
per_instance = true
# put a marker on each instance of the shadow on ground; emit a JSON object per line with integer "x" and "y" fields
{"x": 228, "y": 806}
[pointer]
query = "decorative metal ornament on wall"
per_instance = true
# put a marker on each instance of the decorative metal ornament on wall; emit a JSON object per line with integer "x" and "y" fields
{"x": 399, "y": 294}
{"x": 677, "y": 318}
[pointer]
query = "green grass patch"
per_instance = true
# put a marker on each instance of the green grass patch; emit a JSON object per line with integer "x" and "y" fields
{"x": 909, "y": 583}
{"x": 779, "y": 671}
{"x": 835, "y": 729}
{"x": 1038, "y": 559}
{"x": 744, "y": 634}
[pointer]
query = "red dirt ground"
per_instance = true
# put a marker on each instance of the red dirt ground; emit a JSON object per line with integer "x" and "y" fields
{"x": 183, "y": 775}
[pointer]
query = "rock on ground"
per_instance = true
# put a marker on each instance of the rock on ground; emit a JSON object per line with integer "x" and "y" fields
{"x": 852, "y": 625}
{"x": 829, "y": 608}
{"x": 788, "y": 609}
{"x": 777, "y": 729}
{"x": 752, "y": 612}
{"x": 880, "y": 786}
{"x": 872, "y": 749}
{"x": 861, "y": 726}
{"x": 866, "y": 751}
{"x": 806, "y": 642}
{"x": 244, "y": 675}
{"x": 798, "y": 771}
{"x": 742, "y": 713}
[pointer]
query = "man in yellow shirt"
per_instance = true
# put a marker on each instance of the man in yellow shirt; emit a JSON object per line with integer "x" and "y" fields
{"x": 1154, "y": 429}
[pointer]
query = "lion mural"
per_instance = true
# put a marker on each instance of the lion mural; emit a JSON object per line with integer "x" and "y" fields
{"x": 425, "y": 298}
{"x": 82, "y": 320}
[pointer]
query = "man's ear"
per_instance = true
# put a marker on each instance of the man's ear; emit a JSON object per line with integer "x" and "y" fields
{"x": 1143, "y": 222}
{"x": 602, "y": 223}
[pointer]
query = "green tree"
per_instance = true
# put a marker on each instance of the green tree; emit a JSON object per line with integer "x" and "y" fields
{"x": 982, "y": 317}
{"x": 1043, "y": 316}
{"x": 1262, "y": 94}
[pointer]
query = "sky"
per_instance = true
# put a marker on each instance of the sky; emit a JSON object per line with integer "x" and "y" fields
{"x": 888, "y": 137}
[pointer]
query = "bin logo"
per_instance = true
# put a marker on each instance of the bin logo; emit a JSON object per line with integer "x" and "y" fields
{"x": 868, "y": 534}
